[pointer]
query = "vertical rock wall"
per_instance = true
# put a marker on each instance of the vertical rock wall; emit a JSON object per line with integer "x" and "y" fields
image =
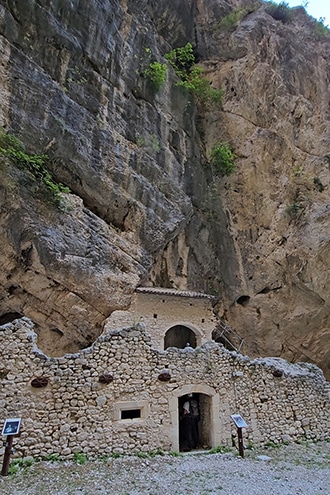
{"x": 146, "y": 206}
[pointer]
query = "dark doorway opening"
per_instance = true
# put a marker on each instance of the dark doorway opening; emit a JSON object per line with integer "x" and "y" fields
{"x": 179, "y": 336}
{"x": 194, "y": 427}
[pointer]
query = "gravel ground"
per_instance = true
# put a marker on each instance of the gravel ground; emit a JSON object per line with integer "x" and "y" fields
{"x": 289, "y": 470}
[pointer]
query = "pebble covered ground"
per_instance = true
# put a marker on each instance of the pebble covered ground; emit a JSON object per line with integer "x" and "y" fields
{"x": 288, "y": 470}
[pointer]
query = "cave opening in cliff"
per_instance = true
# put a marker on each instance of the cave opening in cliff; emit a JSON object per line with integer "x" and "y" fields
{"x": 9, "y": 317}
{"x": 243, "y": 300}
{"x": 180, "y": 336}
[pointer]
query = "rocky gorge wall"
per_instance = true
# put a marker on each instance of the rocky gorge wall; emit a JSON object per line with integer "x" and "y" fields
{"x": 145, "y": 206}
{"x": 78, "y": 411}
{"x": 276, "y": 114}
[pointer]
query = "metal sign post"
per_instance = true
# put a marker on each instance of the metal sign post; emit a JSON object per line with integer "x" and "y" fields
{"x": 240, "y": 442}
{"x": 6, "y": 457}
{"x": 10, "y": 428}
{"x": 240, "y": 424}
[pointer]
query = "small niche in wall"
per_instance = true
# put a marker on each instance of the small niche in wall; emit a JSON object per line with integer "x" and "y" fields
{"x": 155, "y": 316}
{"x": 130, "y": 414}
{"x": 39, "y": 382}
{"x": 105, "y": 378}
{"x": 243, "y": 300}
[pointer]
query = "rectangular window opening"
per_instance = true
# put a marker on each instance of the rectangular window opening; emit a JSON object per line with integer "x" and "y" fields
{"x": 130, "y": 413}
{"x": 131, "y": 410}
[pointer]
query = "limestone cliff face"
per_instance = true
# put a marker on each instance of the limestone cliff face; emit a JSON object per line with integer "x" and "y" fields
{"x": 145, "y": 207}
{"x": 276, "y": 114}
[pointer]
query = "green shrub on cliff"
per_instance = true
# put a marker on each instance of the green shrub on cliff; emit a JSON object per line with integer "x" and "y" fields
{"x": 280, "y": 12}
{"x": 156, "y": 73}
{"x": 181, "y": 59}
{"x": 200, "y": 87}
{"x": 320, "y": 28}
{"x": 35, "y": 165}
{"x": 231, "y": 20}
{"x": 222, "y": 159}
{"x": 192, "y": 77}
{"x": 295, "y": 210}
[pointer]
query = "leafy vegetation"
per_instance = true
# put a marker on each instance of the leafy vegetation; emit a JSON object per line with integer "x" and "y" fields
{"x": 222, "y": 159}
{"x": 156, "y": 72}
{"x": 35, "y": 165}
{"x": 231, "y": 20}
{"x": 150, "y": 142}
{"x": 52, "y": 458}
{"x": 320, "y": 28}
{"x": 142, "y": 455}
{"x": 272, "y": 445}
{"x": 200, "y": 87}
{"x": 115, "y": 455}
{"x": 221, "y": 449}
{"x": 295, "y": 210}
{"x": 174, "y": 453}
{"x": 80, "y": 458}
{"x": 17, "y": 465}
{"x": 13, "y": 469}
{"x": 151, "y": 454}
{"x": 298, "y": 171}
{"x": 182, "y": 59}
{"x": 280, "y": 12}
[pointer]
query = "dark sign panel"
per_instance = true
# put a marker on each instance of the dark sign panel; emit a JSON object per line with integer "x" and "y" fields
{"x": 239, "y": 421}
{"x": 11, "y": 426}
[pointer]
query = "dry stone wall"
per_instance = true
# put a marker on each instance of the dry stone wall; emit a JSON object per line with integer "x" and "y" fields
{"x": 76, "y": 412}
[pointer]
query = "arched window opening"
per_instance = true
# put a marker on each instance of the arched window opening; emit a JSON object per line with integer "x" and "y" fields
{"x": 179, "y": 336}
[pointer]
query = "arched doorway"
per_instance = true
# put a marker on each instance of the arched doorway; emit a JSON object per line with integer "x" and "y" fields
{"x": 210, "y": 427}
{"x": 194, "y": 426}
{"x": 179, "y": 336}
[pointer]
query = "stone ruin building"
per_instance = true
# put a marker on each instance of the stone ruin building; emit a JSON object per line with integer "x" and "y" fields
{"x": 123, "y": 394}
{"x": 173, "y": 318}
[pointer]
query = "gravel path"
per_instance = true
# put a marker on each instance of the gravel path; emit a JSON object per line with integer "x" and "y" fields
{"x": 291, "y": 470}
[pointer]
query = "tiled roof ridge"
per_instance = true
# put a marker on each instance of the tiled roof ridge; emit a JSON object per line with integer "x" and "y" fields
{"x": 173, "y": 292}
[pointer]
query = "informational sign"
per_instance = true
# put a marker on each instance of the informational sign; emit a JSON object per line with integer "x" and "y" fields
{"x": 11, "y": 426}
{"x": 239, "y": 421}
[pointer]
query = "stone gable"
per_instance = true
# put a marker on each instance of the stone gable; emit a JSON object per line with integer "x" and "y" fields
{"x": 162, "y": 309}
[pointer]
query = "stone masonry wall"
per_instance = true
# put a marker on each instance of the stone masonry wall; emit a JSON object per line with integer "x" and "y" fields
{"x": 77, "y": 413}
{"x": 159, "y": 312}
